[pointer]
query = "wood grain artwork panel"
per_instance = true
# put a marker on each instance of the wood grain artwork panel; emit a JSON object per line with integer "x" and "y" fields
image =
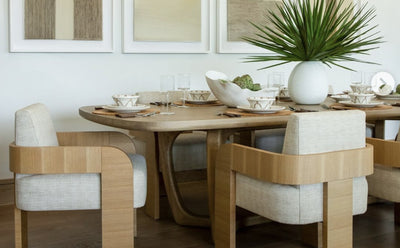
{"x": 39, "y": 19}
{"x": 240, "y": 12}
{"x": 172, "y": 20}
{"x": 64, "y": 19}
{"x": 88, "y": 20}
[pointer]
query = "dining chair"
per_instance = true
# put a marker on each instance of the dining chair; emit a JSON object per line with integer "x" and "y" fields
{"x": 385, "y": 182}
{"x": 318, "y": 177}
{"x": 75, "y": 171}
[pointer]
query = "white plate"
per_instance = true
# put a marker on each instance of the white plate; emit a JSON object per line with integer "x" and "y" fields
{"x": 273, "y": 109}
{"x": 340, "y": 97}
{"x": 200, "y": 101}
{"x": 361, "y": 105}
{"x": 122, "y": 109}
{"x": 380, "y": 79}
{"x": 389, "y": 97}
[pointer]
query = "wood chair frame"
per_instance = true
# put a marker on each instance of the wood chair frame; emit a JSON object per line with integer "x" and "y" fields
{"x": 335, "y": 170}
{"x": 86, "y": 152}
{"x": 386, "y": 153}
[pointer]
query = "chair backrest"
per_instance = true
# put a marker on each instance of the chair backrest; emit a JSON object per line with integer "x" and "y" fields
{"x": 34, "y": 127}
{"x": 309, "y": 133}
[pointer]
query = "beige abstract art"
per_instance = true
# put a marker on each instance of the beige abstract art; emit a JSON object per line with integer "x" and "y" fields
{"x": 63, "y": 19}
{"x": 167, "y": 20}
{"x": 240, "y": 12}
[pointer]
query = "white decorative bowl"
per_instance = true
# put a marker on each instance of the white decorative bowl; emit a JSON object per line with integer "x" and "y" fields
{"x": 231, "y": 94}
{"x": 125, "y": 100}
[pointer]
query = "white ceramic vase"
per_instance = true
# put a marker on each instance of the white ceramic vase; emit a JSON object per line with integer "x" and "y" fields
{"x": 308, "y": 83}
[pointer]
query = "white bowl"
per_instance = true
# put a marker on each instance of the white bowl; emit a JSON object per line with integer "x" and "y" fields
{"x": 361, "y": 88}
{"x": 199, "y": 95}
{"x": 231, "y": 94}
{"x": 125, "y": 100}
{"x": 361, "y": 98}
{"x": 260, "y": 102}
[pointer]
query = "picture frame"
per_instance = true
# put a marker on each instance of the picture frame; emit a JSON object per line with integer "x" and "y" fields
{"x": 226, "y": 46}
{"x": 134, "y": 46}
{"x": 223, "y": 44}
{"x": 17, "y": 42}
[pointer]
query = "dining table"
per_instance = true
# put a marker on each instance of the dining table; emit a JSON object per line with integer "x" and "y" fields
{"x": 160, "y": 131}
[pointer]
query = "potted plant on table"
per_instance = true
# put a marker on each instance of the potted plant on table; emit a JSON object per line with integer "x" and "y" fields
{"x": 316, "y": 34}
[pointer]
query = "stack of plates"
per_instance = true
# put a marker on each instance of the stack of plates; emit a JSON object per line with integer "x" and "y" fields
{"x": 123, "y": 109}
{"x": 273, "y": 109}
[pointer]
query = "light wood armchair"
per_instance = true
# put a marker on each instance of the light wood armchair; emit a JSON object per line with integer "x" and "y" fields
{"x": 85, "y": 152}
{"x": 385, "y": 182}
{"x": 335, "y": 169}
{"x": 319, "y": 177}
{"x": 75, "y": 171}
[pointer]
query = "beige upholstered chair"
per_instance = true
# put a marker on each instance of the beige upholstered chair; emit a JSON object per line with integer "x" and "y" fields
{"x": 385, "y": 182}
{"x": 319, "y": 177}
{"x": 74, "y": 171}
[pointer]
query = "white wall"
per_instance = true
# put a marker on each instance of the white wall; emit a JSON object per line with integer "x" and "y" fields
{"x": 64, "y": 82}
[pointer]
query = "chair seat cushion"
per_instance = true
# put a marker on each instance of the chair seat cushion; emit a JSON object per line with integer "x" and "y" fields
{"x": 72, "y": 191}
{"x": 385, "y": 183}
{"x": 292, "y": 204}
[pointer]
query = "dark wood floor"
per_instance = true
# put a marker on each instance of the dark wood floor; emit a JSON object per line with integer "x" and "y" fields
{"x": 81, "y": 229}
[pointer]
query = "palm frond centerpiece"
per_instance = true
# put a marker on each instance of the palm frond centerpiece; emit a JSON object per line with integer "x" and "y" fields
{"x": 306, "y": 30}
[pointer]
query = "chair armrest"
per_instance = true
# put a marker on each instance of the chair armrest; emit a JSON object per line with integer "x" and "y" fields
{"x": 102, "y": 138}
{"x": 61, "y": 159}
{"x": 296, "y": 169}
{"x": 386, "y": 152}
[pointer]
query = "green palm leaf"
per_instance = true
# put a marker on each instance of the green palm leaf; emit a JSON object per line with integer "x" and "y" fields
{"x": 305, "y": 31}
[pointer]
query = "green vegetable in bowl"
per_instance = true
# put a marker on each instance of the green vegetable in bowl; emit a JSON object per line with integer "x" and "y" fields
{"x": 398, "y": 89}
{"x": 246, "y": 82}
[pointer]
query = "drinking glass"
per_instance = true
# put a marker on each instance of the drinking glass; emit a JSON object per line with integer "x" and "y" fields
{"x": 183, "y": 83}
{"x": 167, "y": 84}
{"x": 277, "y": 80}
{"x": 357, "y": 77}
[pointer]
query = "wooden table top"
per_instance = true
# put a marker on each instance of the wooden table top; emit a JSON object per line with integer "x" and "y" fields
{"x": 207, "y": 118}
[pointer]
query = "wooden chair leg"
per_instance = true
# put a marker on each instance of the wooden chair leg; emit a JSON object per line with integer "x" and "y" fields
{"x": 397, "y": 213}
{"x": 21, "y": 228}
{"x": 135, "y": 222}
{"x": 311, "y": 234}
{"x": 225, "y": 209}
{"x": 338, "y": 214}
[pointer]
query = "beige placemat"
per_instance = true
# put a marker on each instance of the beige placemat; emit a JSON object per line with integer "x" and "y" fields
{"x": 124, "y": 115}
{"x": 216, "y": 103}
{"x": 340, "y": 106}
{"x": 240, "y": 112}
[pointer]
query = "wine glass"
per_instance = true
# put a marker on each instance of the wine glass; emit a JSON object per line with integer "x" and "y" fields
{"x": 183, "y": 83}
{"x": 167, "y": 84}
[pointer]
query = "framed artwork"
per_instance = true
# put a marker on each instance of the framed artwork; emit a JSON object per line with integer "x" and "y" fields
{"x": 233, "y": 22}
{"x": 160, "y": 26}
{"x": 61, "y": 25}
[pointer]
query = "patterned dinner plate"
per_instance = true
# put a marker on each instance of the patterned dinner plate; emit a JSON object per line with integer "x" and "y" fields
{"x": 361, "y": 105}
{"x": 123, "y": 109}
{"x": 273, "y": 109}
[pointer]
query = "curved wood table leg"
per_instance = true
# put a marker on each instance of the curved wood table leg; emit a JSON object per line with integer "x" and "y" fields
{"x": 181, "y": 214}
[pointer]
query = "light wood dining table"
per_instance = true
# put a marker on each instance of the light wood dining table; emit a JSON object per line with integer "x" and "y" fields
{"x": 160, "y": 131}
